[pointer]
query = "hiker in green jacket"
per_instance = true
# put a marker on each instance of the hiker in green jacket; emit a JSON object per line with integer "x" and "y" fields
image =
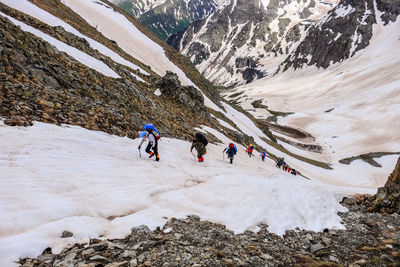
{"x": 199, "y": 143}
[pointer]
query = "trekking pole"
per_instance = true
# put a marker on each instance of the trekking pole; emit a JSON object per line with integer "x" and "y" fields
{"x": 140, "y": 154}
{"x": 193, "y": 154}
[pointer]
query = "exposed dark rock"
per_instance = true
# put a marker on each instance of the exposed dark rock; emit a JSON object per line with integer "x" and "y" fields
{"x": 18, "y": 121}
{"x": 387, "y": 199}
{"x": 370, "y": 239}
{"x": 368, "y": 158}
{"x": 335, "y": 37}
{"x": 199, "y": 51}
{"x": 188, "y": 95}
{"x": 390, "y": 9}
{"x": 66, "y": 234}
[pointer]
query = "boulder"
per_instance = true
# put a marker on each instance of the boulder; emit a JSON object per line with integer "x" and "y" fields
{"x": 188, "y": 95}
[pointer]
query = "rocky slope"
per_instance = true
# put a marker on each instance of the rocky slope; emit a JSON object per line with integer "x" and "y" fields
{"x": 40, "y": 83}
{"x": 237, "y": 43}
{"x": 165, "y": 18}
{"x": 387, "y": 199}
{"x": 370, "y": 240}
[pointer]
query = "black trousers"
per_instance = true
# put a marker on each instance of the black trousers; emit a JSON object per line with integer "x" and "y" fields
{"x": 154, "y": 148}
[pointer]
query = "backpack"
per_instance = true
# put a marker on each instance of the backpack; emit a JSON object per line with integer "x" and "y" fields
{"x": 201, "y": 138}
{"x": 232, "y": 146}
{"x": 150, "y": 128}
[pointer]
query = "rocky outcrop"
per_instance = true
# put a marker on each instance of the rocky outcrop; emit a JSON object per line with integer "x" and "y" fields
{"x": 370, "y": 240}
{"x": 387, "y": 199}
{"x": 189, "y": 96}
{"x": 40, "y": 83}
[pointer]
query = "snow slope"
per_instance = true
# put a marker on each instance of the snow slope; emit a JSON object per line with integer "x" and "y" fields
{"x": 68, "y": 178}
{"x": 82, "y": 57}
{"x": 36, "y": 12}
{"x": 117, "y": 27}
{"x": 364, "y": 93}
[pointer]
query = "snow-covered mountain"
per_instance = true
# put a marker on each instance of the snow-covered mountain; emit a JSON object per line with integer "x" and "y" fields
{"x": 343, "y": 92}
{"x": 167, "y": 17}
{"x": 344, "y": 31}
{"x": 241, "y": 39}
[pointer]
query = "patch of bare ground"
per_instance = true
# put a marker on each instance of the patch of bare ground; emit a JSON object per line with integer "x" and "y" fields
{"x": 368, "y": 158}
{"x": 308, "y": 147}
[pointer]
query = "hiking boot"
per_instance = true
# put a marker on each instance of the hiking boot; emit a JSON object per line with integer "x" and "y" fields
{"x": 151, "y": 154}
{"x": 231, "y": 160}
{"x": 201, "y": 159}
{"x": 157, "y": 158}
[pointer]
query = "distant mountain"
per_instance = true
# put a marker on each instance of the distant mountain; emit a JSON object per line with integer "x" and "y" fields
{"x": 167, "y": 17}
{"x": 345, "y": 30}
{"x": 231, "y": 46}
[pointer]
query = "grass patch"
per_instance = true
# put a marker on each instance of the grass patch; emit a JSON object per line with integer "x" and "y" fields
{"x": 258, "y": 104}
{"x": 236, "y": 94}
{"x": 276, "y": 114}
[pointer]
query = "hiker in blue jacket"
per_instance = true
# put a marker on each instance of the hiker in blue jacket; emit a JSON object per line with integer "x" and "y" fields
{"x": 152, "y": 135}
{"x": 263, "y": 155}
{"x": 230, "y": 151}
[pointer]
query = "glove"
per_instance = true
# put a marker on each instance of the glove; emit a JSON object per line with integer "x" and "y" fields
{"x": 139, "y": 147}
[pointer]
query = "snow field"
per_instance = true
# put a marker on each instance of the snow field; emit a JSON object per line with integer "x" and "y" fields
{"x": 34, "y": 11}
{"x": 365, "y": 99}
{"x": 93, "y": 184}
{"x": 82, "y": 57}
{"x": 117, "y": 27}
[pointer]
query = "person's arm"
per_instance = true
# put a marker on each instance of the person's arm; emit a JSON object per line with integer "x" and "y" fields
{"x": 193, "y": 144}
{"x": 143, "y": 139}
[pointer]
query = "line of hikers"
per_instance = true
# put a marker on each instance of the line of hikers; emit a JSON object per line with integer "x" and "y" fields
{"x": 285, "y": 167}
{"x": 199, "y": 143}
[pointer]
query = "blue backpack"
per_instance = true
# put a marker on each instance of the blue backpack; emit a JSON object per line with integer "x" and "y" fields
{"x": 149, "y": 126}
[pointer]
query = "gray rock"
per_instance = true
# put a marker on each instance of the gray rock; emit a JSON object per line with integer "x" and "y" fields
{"x": 87, "y": 253}
{"x": 141, "y": 229}
{"x": 99, "y": 259}
{"x": 141, "y": 258}
{"x": 133, "y": 263}
{"x": 317, "y": 247}
{"x": 66, "y": 234}
{"x": 128, "y": 254}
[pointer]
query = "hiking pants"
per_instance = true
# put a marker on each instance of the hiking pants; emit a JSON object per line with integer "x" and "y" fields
{"x": 154, "y": 148}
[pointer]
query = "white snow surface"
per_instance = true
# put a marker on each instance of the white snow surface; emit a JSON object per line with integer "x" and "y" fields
{"x": 82, "y": 57}
{"x": 117, "y": 27}
{"x": 364, "y": 93}
{"x": 56, "y": 178}
{"x": 42, "y": 15}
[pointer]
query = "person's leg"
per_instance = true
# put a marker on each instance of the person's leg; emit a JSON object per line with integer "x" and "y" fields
{"x": 148, "y": 148}
{"x": 155, "y": 149}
